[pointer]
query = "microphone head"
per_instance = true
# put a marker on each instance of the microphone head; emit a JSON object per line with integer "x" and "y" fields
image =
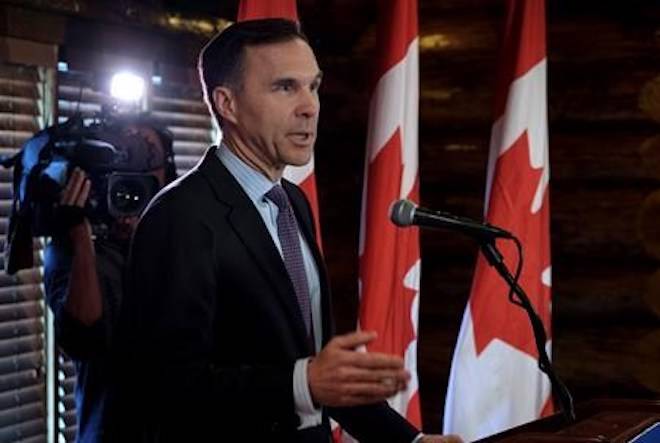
{"x": 402, "y": 213}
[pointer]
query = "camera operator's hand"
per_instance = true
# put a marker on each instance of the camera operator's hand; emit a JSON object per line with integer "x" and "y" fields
{"x": 76, "y": 191}
{"x": 84, "y": 298}
{"x": 70, "y": 215}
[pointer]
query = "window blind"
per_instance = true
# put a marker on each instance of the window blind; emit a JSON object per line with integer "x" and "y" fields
{"x": 24, "y": 109}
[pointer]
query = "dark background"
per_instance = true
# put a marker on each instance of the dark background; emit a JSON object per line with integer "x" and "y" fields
{"x": 604, "y": 108}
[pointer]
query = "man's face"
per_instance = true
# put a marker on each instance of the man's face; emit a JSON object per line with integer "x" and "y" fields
{"x": 276, "y": 108}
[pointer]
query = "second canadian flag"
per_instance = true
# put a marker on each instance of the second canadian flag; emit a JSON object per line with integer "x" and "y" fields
{"x": 495, "y": 381}
{"x": 389, "y": 256}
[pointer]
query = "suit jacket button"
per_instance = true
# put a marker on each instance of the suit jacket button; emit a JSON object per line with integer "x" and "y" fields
{"x": 275, "y": 427}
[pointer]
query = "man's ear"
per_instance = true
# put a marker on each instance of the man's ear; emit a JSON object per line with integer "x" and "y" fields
{"x": 225, "y": 103}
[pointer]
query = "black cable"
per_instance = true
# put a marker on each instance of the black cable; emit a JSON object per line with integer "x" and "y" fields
{"x": 516, "y": 277}
{"x": 495, "y": 259}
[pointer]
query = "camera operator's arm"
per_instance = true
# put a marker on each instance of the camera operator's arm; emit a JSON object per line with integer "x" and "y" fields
{"x": 71, "y": 278}
{"x": 83, "y": 301}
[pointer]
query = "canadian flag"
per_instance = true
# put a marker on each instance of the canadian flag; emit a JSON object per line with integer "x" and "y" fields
{"x": 255, "y": 9}
{"x": 495, "y": 382}
{"x": 389, "y": 256}
{"x": 302, "y": 176}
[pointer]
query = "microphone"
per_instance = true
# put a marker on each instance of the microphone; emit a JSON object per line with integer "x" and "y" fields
{"x": 405, "y": 213}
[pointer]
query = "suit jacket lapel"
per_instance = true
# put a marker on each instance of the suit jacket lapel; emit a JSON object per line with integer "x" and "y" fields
{"x": 249, "y": 226}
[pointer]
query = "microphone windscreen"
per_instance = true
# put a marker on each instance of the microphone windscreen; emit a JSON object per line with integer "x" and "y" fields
{"x": 402, "y": 212}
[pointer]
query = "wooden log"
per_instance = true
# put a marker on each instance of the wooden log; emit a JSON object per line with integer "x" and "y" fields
{"x": 647, "y": 224}
{"x": 650, "y": 154}
{"x": 604, "y": 359}
{"x": 602, "y": 292}
{"x": 597, "y": 223}
{"x": 652, "y": 293}
{"x": 647, "y": 350}
{"x": 649, "y": 98}
{"x": 471, "y": 32}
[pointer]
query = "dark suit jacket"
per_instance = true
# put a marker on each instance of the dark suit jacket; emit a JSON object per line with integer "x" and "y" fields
{"x": 210, "y": 327}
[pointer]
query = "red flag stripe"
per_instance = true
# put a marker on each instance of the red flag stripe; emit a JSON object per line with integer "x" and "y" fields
{"x": 308, "y": 186}
{"x": 399, "y": 19}
{"x": 521, "y": 48}
{"x": 256, "y": 9}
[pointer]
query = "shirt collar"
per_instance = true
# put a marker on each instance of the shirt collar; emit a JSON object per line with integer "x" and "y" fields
{"x": 253, "y": 182}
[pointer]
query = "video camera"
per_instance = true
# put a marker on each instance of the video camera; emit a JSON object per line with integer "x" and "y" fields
{"x": 118, "y": 161}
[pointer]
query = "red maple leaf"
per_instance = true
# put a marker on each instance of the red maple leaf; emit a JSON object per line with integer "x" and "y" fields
{"x": 514, "y": 186}
{"x": 389, "y": 253}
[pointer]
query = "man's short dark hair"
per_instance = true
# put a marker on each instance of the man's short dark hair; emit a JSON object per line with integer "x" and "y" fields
{"x": 220, "y": 62}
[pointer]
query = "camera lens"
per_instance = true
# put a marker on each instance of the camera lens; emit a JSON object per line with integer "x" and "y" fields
{"x": 128, "y": 196}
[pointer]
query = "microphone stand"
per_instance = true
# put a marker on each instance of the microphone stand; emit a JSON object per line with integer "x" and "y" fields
{"x": 495, "y": 259}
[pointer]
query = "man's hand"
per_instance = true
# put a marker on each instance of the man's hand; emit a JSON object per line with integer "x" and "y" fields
{"x": 342, "y": 376}
{"x": 441, "y": 439}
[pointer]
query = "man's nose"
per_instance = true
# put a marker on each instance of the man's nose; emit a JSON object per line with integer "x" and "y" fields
{"x": 309, "y": 104}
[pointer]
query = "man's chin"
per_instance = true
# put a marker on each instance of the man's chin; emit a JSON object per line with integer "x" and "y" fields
{"x": 300, "y": 159}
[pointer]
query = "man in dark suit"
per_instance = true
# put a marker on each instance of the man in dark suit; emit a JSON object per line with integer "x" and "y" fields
{"x": 226, "y": 332}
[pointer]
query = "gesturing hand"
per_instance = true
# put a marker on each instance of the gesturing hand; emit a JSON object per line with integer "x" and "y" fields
{"x": 342, "y": 376}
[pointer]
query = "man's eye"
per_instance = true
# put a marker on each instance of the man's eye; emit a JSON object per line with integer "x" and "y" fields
{"x": 284, "y": 87}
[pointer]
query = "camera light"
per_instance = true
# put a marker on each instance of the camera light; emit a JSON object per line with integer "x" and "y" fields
{"x": 127, "y": 86}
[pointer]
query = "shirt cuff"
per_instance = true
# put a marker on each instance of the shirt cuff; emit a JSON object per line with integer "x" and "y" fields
{"x": 418, "y": 438}
{"x": 309, "y": 414}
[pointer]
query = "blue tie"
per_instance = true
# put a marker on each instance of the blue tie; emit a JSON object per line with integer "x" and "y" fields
{"x": 287, "y": 231}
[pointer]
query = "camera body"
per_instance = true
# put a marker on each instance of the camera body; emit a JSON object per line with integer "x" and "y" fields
{"x": 118, "y": 162}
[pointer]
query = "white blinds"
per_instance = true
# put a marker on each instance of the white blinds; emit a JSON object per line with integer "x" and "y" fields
{"x": 24, "y": 109}
{"x": 181, "y": 108}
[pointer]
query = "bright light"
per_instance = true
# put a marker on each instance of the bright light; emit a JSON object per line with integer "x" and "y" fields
{"x": 127, "y": 87}
{"x": 62, "y": 66}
